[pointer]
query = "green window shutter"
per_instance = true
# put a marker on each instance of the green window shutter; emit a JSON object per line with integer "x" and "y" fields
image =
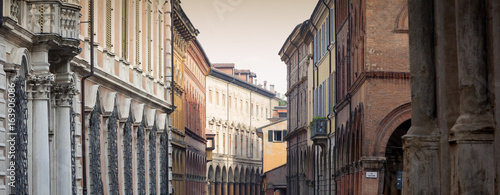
{"x": 270, "y": 135}
{"x": 284, "y": 134}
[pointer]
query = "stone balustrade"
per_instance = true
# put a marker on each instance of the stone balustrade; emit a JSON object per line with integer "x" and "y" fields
{"x": 53, "y": 17}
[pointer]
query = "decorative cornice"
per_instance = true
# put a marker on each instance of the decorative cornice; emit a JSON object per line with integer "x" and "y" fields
{"x": 228, "y": 78}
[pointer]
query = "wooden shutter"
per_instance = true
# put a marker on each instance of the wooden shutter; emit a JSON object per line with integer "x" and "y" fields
{"x": 284, "y": 134}
{"x": 270, "y": 135}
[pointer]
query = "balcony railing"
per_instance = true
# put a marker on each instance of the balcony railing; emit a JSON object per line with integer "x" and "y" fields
{"x": 53, "y": 17}
{"x": 319, "y": 128}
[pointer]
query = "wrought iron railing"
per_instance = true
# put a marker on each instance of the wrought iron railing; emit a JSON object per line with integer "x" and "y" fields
{"x": 318, "y": 127}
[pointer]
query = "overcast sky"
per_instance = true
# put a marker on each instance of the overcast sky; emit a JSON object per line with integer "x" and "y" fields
{"x": 249, "y": 33}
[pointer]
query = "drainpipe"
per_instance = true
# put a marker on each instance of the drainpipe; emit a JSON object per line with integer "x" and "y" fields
{"x": 329, "y": 72}
{"x": 315, "y": 63}
{"x": 298, "y": 96}
{"x": 84, "y": 167}
{"x": 1, "y": 13}
{"x": 334, "y": 109}
{"x": 335, "y": 147}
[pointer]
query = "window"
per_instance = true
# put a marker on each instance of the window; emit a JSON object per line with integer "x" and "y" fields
{"x": 276, "y": 135}
{"x": 210, "y": 96}
{"x": 257, "y": 111}
{"x": 217, "y": 97}
{"x": 224, "y": 100}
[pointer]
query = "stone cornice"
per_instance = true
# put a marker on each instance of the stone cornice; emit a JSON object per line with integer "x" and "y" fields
{"x": 114, "y": 83}
{"x": 228, "y": 78}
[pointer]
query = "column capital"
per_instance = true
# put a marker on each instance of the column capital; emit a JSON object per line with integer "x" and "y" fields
{"x": 38, "y": 86}
{"x": 63, "y": 93}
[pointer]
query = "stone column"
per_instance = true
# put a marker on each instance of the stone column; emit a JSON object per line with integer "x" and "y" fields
{"x": 236, "y": 188}
{"x": 224, "y": 188}
{"x": 231, "y": 188}
{"x": 63, "y": 96}
{"x": 421, "y": 173}
{"x": 211, "y": 187}
{"x": 474, "y": 130}
{"x": 38, "y": 93}
{"x": 218, "y": 188}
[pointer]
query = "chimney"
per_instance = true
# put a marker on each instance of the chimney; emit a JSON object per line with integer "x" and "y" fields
{"x": 271, "y": 88}
{"x": 265, "y": 84}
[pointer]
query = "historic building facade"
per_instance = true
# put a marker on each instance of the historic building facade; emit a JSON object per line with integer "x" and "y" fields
{"x": 183, "y": 35}
{"x": 197, "y": 67}
{"x": 453, "y": 144}
{"x": 372, "y": 95}
{"x": 122, "y": 145}
{"x": 235, "y": 108}
{"x": 295, "y": 53}
{"x": 323, "y": 94}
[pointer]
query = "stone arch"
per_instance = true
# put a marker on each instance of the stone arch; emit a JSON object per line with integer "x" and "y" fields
{"x": 20, "y": 57}
{"x": 401, "y": 23}
{"x": 248, "y": 174}
{"x": 218, "y": 174}
{"x": 387, "y": 126}
{"x": 211, "y": 174}
{"x": 93, "y": 99}
{"x": 236, "y": 175}
{"x": 230, "y": 175}
{"x": 224, "y": 174}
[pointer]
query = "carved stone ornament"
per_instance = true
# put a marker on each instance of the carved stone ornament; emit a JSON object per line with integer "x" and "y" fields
{"x": 63, "y": 93}
{"x": 39, "y": 86}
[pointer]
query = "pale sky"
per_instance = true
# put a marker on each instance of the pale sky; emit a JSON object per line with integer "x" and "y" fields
{"x": 249, "y": 33}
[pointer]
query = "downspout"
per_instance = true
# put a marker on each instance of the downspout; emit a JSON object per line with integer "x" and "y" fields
{"x": 315, "y": 63}
{"x": 84, "y": 167}
{"x": 297, "y": 119}
{"x": 335, "y": 110}
{"x": 329, "y": 72}
{"x": 172, "y": 82}
{"x": 1, "y": 13}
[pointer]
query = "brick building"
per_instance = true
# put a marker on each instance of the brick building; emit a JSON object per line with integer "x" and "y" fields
{"x": 197, "y": 67}
{"x": 372, "y": 96}
{"x": 295, "y": 53}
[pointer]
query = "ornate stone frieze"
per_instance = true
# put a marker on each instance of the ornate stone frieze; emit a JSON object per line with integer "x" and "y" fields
{"x": 39, "y": 86}
{"x": 63, "y": 93}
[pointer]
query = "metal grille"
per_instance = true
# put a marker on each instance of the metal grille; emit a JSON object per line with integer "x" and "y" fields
{"x": 21, "y": 137}
{"x": 95, "y": 152}
{"x": 163, "y": 164}
{"x": 73, "y": 148}
{"x": 141, "y": 170}
{"x": 152, "y": 161}
{"x": 127, "y": 153}
{"x": 113, "y": 154}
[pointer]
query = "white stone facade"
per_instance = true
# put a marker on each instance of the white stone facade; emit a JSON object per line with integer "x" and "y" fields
{"x": 44, "y": 53}
{"x": 235, "y": 108}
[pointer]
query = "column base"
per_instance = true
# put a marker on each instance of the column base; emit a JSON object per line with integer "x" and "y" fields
{"x": 421, "y": 164}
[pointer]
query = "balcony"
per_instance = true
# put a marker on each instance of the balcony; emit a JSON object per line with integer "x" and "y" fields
{"x": 53, "y": 22}
{"x": 319, "y": 131}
